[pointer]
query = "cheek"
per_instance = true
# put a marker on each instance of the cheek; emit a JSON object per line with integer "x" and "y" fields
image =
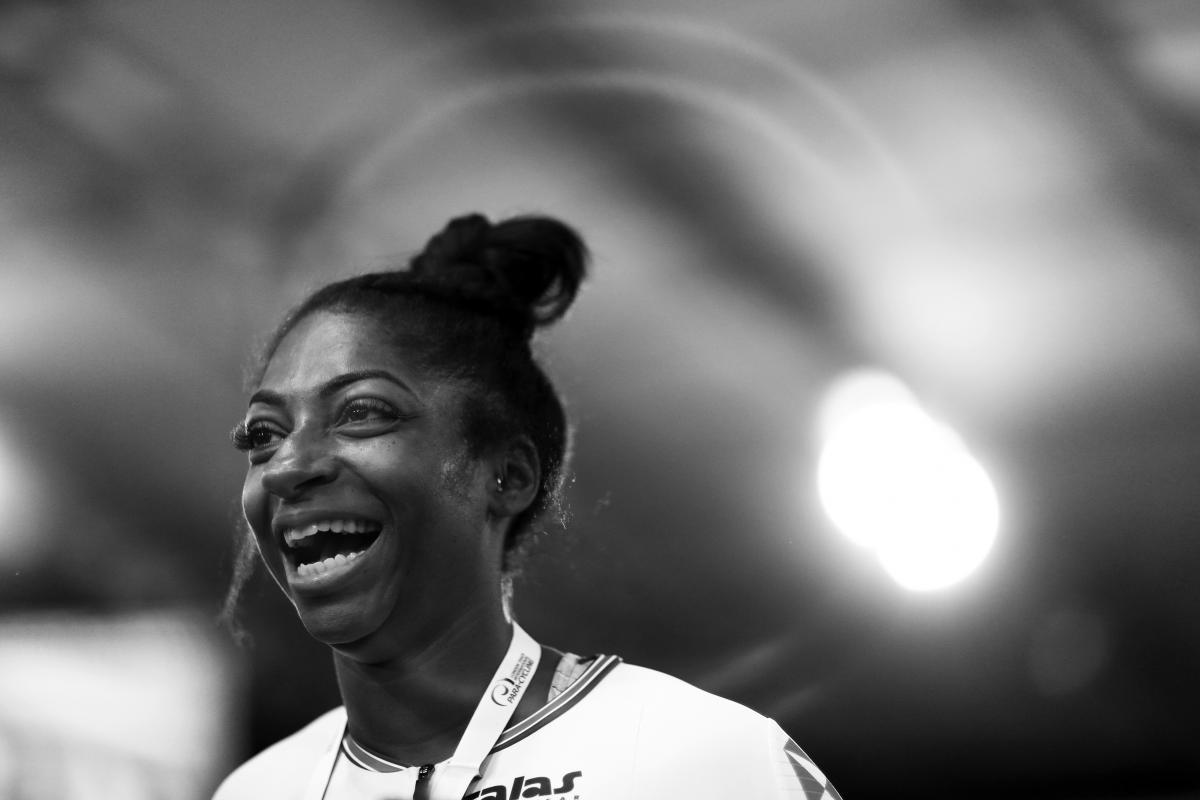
{"x": 254, "y": 506}
{"x": 257, "y": 517}
{"x": 458, "y": 474}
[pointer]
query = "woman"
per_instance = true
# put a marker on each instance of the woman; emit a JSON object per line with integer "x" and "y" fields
{"x": 403, "y": 443}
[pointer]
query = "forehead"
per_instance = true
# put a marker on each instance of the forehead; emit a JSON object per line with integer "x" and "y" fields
{"x": 325, "y": 345}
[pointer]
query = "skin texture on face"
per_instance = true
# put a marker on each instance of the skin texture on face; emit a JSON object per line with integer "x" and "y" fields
{"x": 344, "y": 428}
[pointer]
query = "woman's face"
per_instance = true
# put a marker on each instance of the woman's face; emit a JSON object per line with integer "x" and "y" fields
{"x": 365, "y": 503}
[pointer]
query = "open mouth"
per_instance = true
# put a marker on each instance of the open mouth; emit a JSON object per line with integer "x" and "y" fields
{"x": 322, "y": 546}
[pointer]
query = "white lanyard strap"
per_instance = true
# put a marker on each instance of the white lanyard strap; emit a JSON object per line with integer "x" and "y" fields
{"x": 450, "y": 779}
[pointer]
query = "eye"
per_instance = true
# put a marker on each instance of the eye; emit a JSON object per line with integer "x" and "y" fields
{"x": 255, "y": 435}
{"x": 366, "y": 410}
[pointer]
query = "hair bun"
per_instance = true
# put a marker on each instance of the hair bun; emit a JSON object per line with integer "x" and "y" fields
{"x": 527, "y": 267}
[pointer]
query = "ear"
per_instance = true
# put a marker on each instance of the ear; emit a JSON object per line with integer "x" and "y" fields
{"x": 516, "y": 475}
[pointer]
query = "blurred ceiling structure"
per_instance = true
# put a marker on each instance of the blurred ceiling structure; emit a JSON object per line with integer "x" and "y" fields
{"x": 998, "y": 202}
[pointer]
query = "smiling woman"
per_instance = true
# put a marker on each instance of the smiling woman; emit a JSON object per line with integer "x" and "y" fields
{"x": 403, "y": 444}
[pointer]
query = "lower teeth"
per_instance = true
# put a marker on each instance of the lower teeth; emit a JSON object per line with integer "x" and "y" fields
{"x": 320, "y": 567}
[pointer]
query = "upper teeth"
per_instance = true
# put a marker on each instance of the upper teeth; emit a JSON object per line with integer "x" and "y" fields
{"x": 293, "y": 536}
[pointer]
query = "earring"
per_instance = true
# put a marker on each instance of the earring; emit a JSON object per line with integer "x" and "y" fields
{"x": 499, "y": 483}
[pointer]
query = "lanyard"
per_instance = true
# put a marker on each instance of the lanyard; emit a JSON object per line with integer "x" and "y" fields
{"x": 450, "y": 779}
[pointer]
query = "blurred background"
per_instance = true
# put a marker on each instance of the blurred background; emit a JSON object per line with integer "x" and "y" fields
{"x": 886, "y": 384}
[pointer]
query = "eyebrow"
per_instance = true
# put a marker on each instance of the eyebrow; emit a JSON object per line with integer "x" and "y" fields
{"x": 332, "y": 386}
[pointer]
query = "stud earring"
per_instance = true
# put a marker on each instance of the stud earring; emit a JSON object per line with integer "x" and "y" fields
{"x": 499, "y": 483}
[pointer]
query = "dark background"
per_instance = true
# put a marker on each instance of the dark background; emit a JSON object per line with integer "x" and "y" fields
{"x": 998, "y": 202}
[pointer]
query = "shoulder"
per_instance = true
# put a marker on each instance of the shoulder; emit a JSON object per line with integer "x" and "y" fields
{"x": 284, "y": 768}
{"x": 679, "y": 729}
{"x": 663, "y": 697}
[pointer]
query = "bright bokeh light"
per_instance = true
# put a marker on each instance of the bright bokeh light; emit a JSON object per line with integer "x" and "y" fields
{"x": 897, "y": 481}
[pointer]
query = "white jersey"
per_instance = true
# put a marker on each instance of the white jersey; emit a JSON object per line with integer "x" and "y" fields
{"x": 619, "y": 732}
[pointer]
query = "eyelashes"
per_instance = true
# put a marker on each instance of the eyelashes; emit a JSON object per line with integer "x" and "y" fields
{"x": 254, "y": 436}
{"x": 368, "y": 409}
{"x": 240, "y": 437}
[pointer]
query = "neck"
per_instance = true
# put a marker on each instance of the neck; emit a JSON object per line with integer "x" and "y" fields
{"x": 414, "y": 705}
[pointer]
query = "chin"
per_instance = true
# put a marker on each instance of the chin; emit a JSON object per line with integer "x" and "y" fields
{"x": 338, "y": 625}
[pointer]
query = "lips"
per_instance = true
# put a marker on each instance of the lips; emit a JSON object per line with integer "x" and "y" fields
{"x": 327, "y": 545}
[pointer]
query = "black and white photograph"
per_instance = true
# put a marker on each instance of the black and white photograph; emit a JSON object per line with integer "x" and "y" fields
{"x": 583, "y": 400}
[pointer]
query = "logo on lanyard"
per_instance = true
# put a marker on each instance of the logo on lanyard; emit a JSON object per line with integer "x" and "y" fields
{"x": 506, "y": 690}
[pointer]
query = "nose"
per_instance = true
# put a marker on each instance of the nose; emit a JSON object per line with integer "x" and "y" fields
{"x": 301, "y": 462}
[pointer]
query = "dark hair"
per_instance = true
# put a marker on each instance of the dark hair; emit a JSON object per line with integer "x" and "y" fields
{"x": 466, "y": 308}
